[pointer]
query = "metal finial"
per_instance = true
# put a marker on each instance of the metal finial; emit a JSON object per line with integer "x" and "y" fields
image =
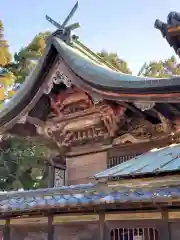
{"x": 63, "y": 30}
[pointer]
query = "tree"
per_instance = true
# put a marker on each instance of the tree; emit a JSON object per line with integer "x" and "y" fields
{"x": 22, "y": 165}
{"x": 25, "y": 59}
{"x": 38, "y": 44}
{"x": 160, "y": 69}
{"x": 5, "y": 56}
{"x": 115, "y": 61}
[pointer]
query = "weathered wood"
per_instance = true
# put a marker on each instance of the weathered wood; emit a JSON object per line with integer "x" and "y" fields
{"x": 139, "y": 148}
{"x": 51, "y": 176}
{"x": 132, "y": 216}
{"x": 7, "y": 230}
{"x": 50, "y": 218}
{"x": 80, "y": 168}
{"x": 174, "y": 215}
{"x": 29, "y": 221}
{"x": 165, "y": 232}
{"x": 70, "y": 218}
{"x": 101, "y": 226}
{"x": 50, "y": 228}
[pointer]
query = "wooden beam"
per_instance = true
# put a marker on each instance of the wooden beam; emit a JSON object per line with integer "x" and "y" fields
{"x": 68, "y": 218}
{"x": 30, "y": 221}
{"x": 134, "y": 109}
{"x": 117, "y": 216}
{"x": 139, "y": 148}
{"x": 174, "y": 109}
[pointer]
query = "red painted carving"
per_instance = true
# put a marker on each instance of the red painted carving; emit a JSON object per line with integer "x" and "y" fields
{"x": 70, "y": 101}
{"x": 78, "y": 120}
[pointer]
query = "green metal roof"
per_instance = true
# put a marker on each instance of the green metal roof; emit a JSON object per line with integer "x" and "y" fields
{"x": 154, "y": 162}
{"x": 84, "y": 51}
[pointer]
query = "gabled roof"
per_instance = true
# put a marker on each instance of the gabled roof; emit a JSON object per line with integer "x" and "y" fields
{"x": 90, "y": 72}
{"x": 154, "y": 162}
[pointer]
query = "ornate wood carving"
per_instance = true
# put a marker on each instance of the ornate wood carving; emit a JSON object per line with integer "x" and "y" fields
{"x": 128, "y": 139}
{"x": 59, "y": 177}
{"x": 77, "y": 120}
{"x": 56, "y": 77}
{"x": 100, "y": 123}
{"x": 69, "y": 116}
{"x": 70, "y": 101}
{"x": 143, "y": 128}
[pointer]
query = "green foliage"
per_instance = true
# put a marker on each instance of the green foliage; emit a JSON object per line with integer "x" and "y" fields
{"x": 24, "y": 60}
{"x": 114, "y": 60}
{"x": 38, "y": 44}
{"x": 7, "y": 79}
{"x": 22, "y": 165}
{"x": 165, "y": 68}
{"x": 5, "y": 56}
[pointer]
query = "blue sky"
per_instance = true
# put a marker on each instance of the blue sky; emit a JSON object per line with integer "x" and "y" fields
{"x": 125, "y": 27}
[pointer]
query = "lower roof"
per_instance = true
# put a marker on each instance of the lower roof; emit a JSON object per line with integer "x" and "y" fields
{"x": 82, "y": 197}
{"x": 156, "y": 161}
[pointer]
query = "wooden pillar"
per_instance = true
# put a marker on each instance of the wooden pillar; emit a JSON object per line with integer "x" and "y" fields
{"x": 51, "y": 176}
{"x": 101, "y": 226}
{"x": 7, "y": 230}
{"x": 50, "y": 228}
{"x": 165, "y": 233}
{"x": 50, "y": 218}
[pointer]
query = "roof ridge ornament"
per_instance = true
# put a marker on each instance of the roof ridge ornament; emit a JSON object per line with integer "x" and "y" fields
{"x": 64, "y": 31}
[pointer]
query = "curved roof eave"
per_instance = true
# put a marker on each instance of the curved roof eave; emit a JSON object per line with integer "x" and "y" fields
{"x": 30, "y": 91}
{"x": 103, "y": 77}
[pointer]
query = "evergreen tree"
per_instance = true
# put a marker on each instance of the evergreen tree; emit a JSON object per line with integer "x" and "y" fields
{"x": 24, "y": 60}
{"x": 22, "y": 165}
{"x": 115, "y": 61}
{"x": 164, "y": 68}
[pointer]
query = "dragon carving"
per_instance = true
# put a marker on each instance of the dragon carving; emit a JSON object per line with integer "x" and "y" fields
{"x": 77, "y": 120}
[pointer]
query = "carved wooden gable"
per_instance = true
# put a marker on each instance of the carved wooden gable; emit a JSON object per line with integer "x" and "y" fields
{"x": 69, "y": 116}
{"x": 76, "y": 119}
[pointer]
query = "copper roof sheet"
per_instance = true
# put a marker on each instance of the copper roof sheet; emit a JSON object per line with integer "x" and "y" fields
{"x": 154, "y": 162}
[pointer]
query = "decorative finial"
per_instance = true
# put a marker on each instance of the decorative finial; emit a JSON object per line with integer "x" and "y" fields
{"x": 64, "y": 31}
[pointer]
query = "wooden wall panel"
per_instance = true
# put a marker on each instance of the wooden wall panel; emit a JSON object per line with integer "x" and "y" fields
{"x": 28, "y": 233}
{"x": 76, "y": 231}
{"x": 175, "y": 230}
{"x": 81, "y": 167}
